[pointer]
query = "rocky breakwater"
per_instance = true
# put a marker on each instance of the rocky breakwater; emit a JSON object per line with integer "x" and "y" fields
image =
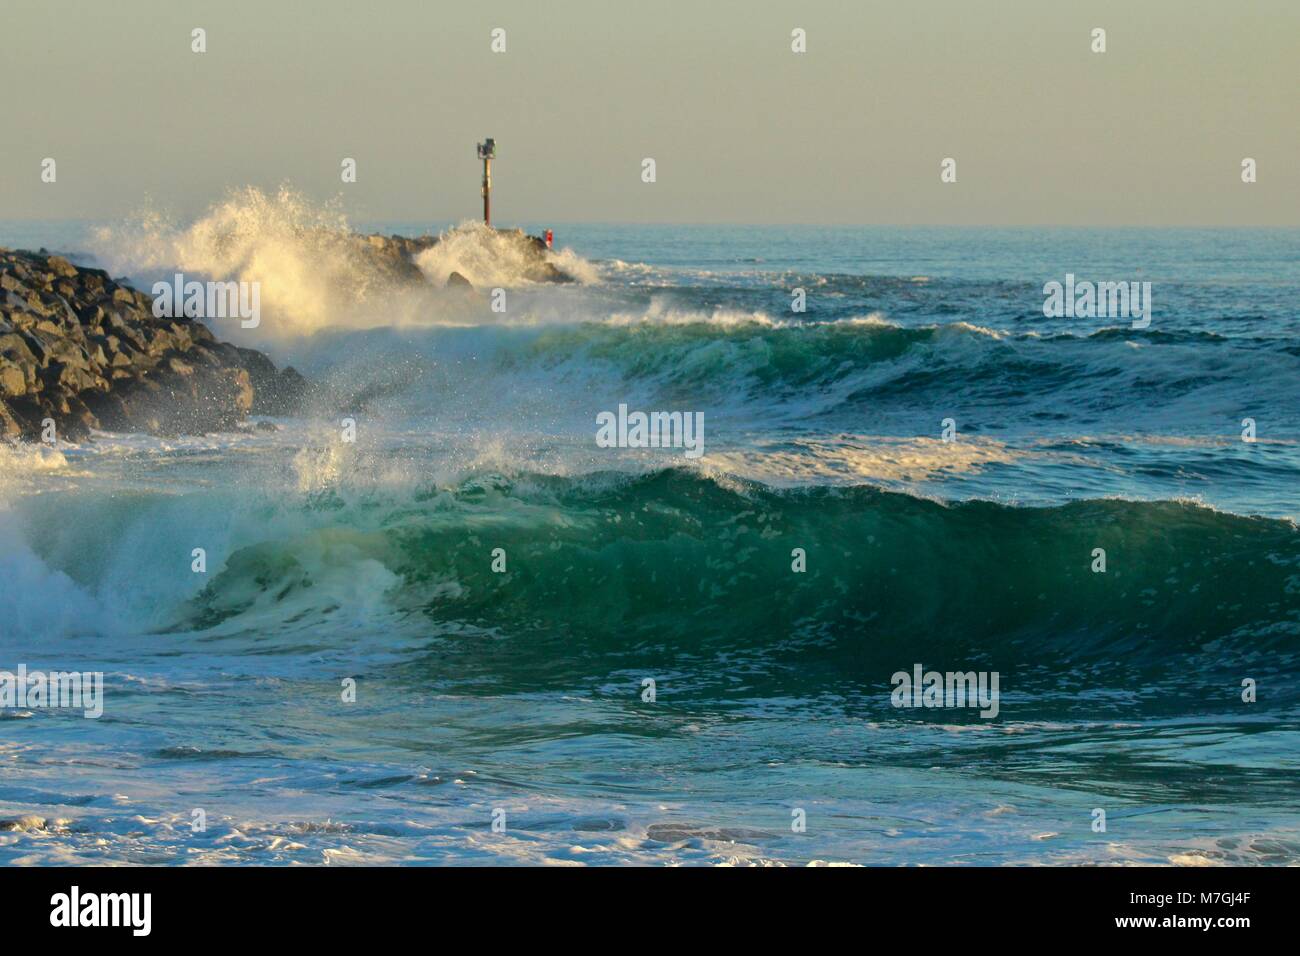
{"x": 395, "y": 256}
{"x": 86, "y": 352}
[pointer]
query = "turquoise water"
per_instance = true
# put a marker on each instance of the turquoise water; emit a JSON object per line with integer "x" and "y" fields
{"x": 482, "y": 692}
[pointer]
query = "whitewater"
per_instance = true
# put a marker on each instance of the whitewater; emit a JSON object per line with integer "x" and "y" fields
{"x": 330, "y": 560}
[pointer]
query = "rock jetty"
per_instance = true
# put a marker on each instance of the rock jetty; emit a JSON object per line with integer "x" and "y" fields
{"x": 84, "y": 351}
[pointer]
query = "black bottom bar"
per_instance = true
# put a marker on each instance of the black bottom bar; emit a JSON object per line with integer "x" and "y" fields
{"x": 306, "y": 905}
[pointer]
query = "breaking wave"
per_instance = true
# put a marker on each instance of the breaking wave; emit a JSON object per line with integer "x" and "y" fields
{"x": 679, "y": 569}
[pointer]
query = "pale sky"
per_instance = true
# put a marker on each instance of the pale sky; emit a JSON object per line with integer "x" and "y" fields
{"x": 1044, "y": 131}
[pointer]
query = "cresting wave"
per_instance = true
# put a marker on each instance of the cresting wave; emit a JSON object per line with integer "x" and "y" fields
{"x": 677, "y": 569}
{"x": 706, "y": 561}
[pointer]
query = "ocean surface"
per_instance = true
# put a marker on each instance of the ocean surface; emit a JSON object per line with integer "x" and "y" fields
{"x": 517, "y": 697}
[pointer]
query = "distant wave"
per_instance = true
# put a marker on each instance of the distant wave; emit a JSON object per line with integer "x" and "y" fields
{"x": 410, "y": 348}
{"x": 777, "y": 370}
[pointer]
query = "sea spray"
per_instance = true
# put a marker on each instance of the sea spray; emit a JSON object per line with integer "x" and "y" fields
{"x": 651, "y": 430}
{"x": 312, "y": 270}
{"x": 489, "y": 258}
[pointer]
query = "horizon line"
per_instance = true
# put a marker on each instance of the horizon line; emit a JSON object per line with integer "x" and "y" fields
{"x": 735, "y": 223}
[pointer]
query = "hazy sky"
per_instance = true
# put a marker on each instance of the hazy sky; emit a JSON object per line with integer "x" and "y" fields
{"x": 742, "y": 130}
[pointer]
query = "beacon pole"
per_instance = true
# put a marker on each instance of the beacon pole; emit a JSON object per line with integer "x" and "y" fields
{"x": 486, "y": 150}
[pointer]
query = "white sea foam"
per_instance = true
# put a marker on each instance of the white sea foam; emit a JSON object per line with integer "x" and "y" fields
{"x": 489, "y": 259}
{"x": 36, "y": 601}
{"x": 312, "y": 272}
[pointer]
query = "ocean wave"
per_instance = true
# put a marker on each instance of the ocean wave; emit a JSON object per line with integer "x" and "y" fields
{"x": 749, "y": 364}
{"x": 626, "y": 567}
{"x": 509, "y": 579}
